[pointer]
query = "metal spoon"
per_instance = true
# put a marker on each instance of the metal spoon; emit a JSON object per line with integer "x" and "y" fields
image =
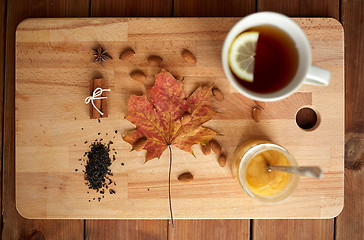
{"x": 309, "y": 171}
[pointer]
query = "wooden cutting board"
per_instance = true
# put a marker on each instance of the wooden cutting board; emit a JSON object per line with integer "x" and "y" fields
{"x": 53, "y": 69}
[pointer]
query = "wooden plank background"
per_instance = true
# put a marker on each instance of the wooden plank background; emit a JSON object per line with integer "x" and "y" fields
{"x": 348, "y": 225}
{"x": 303, "y": 229}
{"x": 2, "y": 73}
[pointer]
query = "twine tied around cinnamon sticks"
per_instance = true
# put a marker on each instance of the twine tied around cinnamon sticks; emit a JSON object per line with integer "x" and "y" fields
{"x": 96, "y": 95}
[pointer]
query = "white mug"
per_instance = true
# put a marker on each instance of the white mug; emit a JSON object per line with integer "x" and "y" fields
{"x": 306, "y": 73}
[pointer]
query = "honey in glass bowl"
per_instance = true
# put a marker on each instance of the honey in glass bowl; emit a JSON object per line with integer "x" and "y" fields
{"x": 250, "y": 169}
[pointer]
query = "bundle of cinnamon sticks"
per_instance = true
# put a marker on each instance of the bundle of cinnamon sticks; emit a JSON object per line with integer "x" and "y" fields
{"x": 101, "y": 104}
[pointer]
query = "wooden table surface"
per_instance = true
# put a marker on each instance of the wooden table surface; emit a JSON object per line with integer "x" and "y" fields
{"x": 348, "y": 225}
{"x": 48, "y": 81}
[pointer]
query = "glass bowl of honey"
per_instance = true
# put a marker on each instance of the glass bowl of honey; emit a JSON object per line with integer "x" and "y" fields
{"x": 250, "y": 168}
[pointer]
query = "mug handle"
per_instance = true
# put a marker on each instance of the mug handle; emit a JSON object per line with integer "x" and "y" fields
{"x": 317, "y": 76}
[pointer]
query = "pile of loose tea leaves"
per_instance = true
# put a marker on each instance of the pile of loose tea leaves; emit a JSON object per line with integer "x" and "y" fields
{"x": 97, "y": 169}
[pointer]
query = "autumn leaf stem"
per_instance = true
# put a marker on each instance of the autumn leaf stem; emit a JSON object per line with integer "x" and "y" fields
{"x": 169, "y": 183}
{"x": 157, "y": 117}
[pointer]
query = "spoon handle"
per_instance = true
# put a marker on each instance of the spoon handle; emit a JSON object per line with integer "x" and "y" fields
{"x": 309, "y": 171}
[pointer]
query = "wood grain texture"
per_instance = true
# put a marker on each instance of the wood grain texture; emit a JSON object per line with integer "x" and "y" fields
{"x": 272, "y": 228}
{"x": 14, "y": 225}
{"x": 135, "y": 8}
{"x": 210, "y": 229}
{"x": 22, "y": 228}
{"x": 201, "y": 8}
{"x": 213, "y": 8}
{"x": 302, "y": 8}
{"x": 2, "y": 73}
{"x": 352, "y": 17}
{"x": 350, "y": 223}
{"x": 46, "y": 131}
{"x": 126, "y": 229}
{"x": 293, "y": 229}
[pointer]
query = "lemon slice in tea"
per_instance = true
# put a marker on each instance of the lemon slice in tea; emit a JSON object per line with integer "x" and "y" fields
{"x": 242, "y": 55}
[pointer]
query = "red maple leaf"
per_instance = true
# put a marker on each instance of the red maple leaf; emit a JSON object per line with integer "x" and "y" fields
{"x": 158, "y": 118}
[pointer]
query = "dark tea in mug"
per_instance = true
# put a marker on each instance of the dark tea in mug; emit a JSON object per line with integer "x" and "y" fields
{"x": 276, "y": 60}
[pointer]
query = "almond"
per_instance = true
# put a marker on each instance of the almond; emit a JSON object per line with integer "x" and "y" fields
{"x": 188, "y": 56}
{"x": 140, "y": 144}
{"x": 257, "y": 114}
{"x": 138, "y": 76}
{"x": 185, "y": 177}
{"x": 154, "y": 60}
{"x": 127, "y": 54}
{"x": 217, "y": 94}
{"x": 186, "y": 118}
{"x": 222, "y": 160}
{"x": 206, "y": 150}
{"x": 260, "y": 104}
{"x": 215, "y": 146}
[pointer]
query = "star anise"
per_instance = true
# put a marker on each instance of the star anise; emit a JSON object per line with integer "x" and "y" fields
{"x": 101, "y": 55}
